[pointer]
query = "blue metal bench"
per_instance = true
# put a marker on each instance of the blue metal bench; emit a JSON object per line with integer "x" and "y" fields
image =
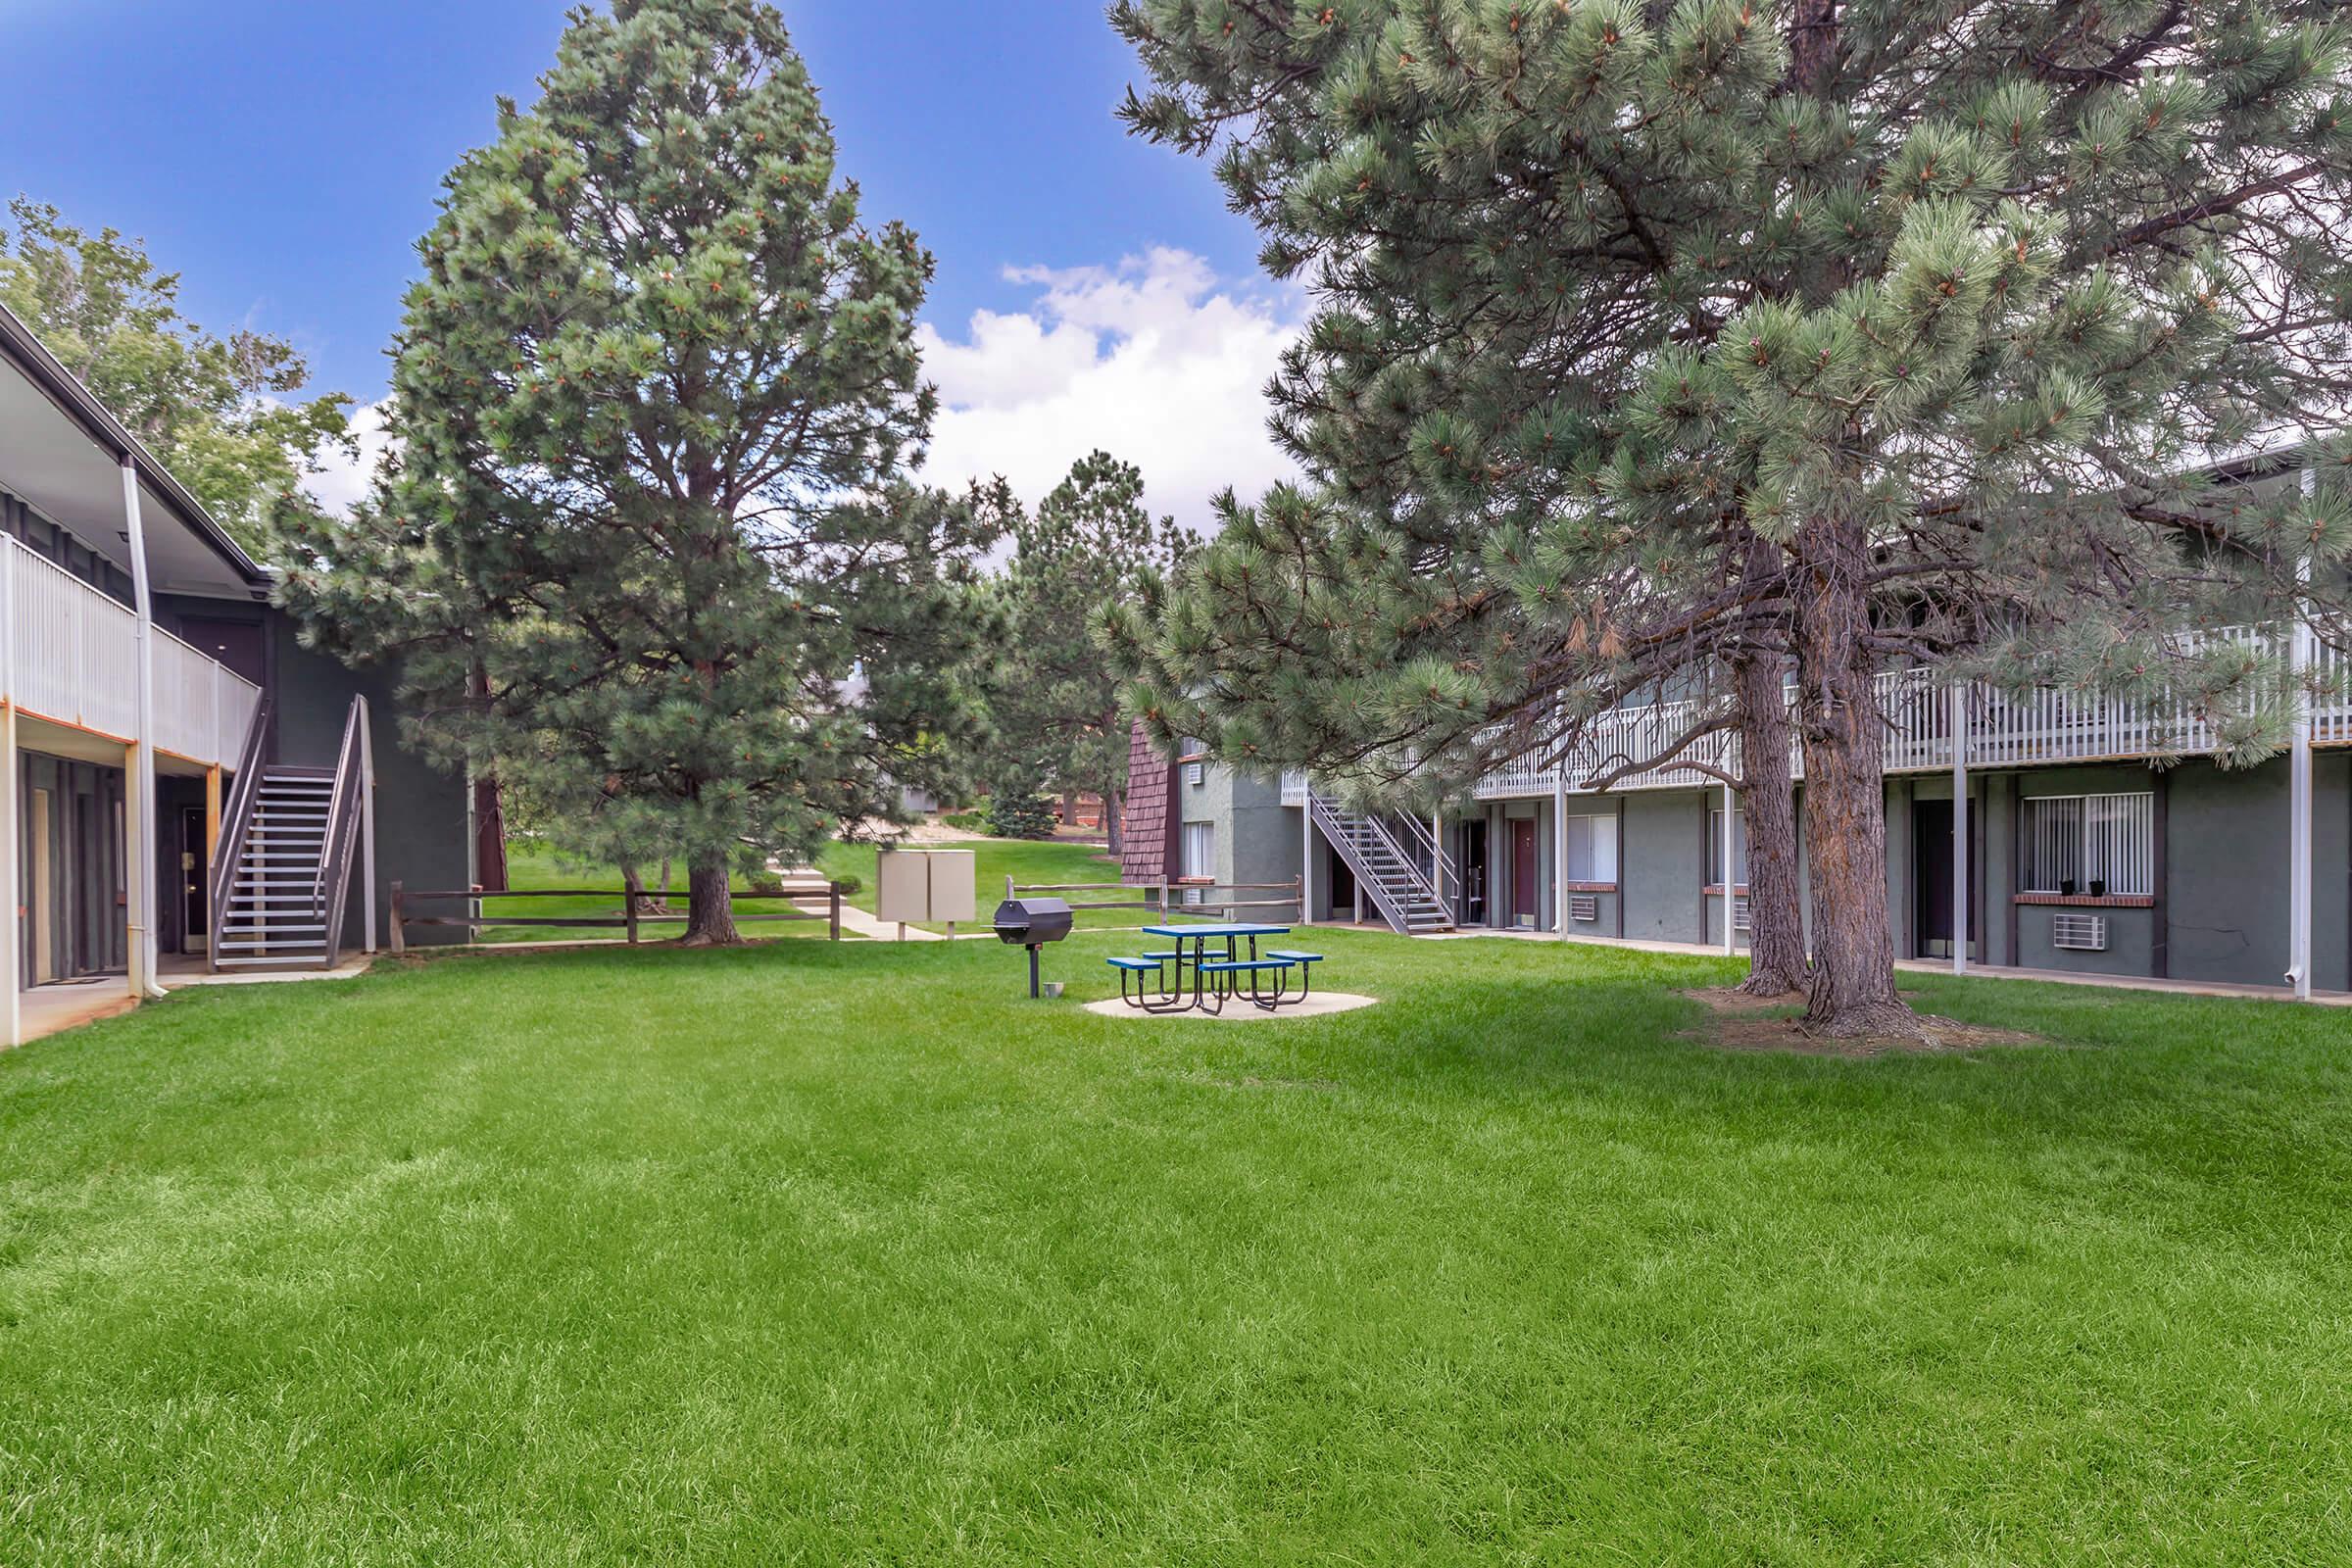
{"x": 1255, "y": 996}
{"x": 1306, "y": 962}
{"x": 1148, "y": 964}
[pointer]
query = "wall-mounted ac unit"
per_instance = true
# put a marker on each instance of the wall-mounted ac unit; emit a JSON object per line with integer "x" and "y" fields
{"x": 1585, "y": 906}
{"x": 1739, "y": 914}
{"x": 1195, "y": 772}
{"x": 2078, "y": 933}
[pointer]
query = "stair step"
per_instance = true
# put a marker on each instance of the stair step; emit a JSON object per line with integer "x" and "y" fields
{"x": 291, "y": 957}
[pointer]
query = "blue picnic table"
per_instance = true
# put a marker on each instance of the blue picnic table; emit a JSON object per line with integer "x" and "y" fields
{"x": 1219, "y": 972}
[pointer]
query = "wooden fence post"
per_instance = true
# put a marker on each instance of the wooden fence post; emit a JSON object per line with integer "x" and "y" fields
{"x": 833, "y": 911}
{"x": 400, "y": 943}
{"x": 628, "y": 911}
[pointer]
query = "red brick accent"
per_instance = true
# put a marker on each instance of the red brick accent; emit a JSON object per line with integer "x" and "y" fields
{"x": 1147, "y": 852}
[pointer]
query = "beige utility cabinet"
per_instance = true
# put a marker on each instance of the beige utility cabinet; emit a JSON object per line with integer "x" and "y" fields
{"x": 934, "y": 885}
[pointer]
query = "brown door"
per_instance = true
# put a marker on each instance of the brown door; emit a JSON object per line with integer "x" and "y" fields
{"x": 1523, "y": 871}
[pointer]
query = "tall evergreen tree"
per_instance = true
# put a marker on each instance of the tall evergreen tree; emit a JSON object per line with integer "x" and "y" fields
{"x": 645, "y": 547}
{"x": 1089, "y": 545}
{"x": 222, "y": 412}
{"x": 1663, "y": 349}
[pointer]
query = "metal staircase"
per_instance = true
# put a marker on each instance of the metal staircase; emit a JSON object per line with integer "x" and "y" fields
{"x": 1386, "y": 868}
{"x": 283, "y": 873}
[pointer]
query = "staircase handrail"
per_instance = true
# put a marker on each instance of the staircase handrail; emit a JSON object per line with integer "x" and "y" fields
{"x": 1338, "y": 830}
{"x": 1423, "y": 842}
{"x": 228, "y": 844}
{"x": 330, "y": 892}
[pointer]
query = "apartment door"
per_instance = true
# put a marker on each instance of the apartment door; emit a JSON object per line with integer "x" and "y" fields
{"x": 1932, "y": 881}
{"x": 193, "y": 903}
{"x": 1474, "y": 871}
{"x": 1523, "y": 871}
{"x": 42, "y": 904}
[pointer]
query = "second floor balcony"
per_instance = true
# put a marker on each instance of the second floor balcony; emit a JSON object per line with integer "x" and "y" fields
{"x": 1997, "y": 729}
{"x": 69, "y": 654}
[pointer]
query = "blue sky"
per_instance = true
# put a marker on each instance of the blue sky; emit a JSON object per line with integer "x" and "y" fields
{"x": 284, "y": 157}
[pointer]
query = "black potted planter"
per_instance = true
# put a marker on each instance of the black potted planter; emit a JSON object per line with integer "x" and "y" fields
{"x": 2098, "y": 886}
{"x": 2066, "y": 886}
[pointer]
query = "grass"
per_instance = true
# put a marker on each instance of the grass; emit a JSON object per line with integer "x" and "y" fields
{"x": 846, "y": 1252}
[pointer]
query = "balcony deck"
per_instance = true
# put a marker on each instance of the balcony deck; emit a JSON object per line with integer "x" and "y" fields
{"x": 72, "y": 660}
{"x": 2001, "y": 730}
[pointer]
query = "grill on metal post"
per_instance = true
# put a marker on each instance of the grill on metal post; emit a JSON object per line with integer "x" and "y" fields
{"x": 1032, "y": 923}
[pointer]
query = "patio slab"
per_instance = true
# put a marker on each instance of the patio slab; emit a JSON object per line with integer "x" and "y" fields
{"x": 1318, "y": 1004}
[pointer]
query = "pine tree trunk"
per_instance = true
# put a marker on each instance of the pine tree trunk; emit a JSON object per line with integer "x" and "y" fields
{"x": 1112, "y": 838}
{"x": 1852, "y": 990}
{"x": 489, "y": 833}
{"x": 710, "y": 913}
{"x": 1775, "y": 930}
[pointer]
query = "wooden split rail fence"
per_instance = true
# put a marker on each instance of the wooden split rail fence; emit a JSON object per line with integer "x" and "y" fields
{"x": 629, "y": 919}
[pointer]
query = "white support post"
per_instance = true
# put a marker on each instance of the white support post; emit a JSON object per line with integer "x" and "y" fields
{"x": 2298, "y": 793}
{"x": 1436, "y": 855}
{"x": 139, "y": 814}
{"x": 367, "y": 832}
{"x": 1306, "y": 862}
{"x": 1559, "y": 851}
{"x": 1731, "y": 832}
{"x": 12, "y": 806}
{"x": 1959, "y": 827}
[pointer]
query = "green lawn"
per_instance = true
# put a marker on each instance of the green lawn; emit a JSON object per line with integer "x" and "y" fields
{"x": 847, "y": 1254}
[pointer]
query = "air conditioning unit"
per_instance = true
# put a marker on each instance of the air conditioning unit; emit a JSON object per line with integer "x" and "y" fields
{"x": 1584, "y": 907}
{"x": 2078, "y": 933}
{"x": 1739, "y": 914}
{"x": 1195, "y": 772}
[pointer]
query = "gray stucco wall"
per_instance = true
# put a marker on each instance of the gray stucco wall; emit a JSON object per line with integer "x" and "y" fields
{"x": 1662, "y": 869}
{"x": 1257, "y": 838}
{"x": 2225, "y": 872}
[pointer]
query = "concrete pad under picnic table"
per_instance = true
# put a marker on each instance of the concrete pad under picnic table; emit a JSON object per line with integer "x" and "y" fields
{"x": 1318, "y": 1004}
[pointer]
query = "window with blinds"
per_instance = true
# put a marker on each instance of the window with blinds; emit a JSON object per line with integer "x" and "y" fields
{"x": 1593, "y": 848}
{"x": 1715, "y": 847}
{"x": 2090, "y": 843}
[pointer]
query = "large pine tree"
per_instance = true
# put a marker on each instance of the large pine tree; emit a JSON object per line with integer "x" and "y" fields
{"x": 1090, "y": 544}
{"x": 645, "y": 548}
{"x": 1661, "y": 350}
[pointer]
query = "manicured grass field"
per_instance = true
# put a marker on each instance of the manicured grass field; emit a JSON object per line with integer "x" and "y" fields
{"x": 846, "y": 1252}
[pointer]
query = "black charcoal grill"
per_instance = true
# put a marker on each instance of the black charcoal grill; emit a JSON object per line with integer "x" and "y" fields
{"x": 1032, "y": 923}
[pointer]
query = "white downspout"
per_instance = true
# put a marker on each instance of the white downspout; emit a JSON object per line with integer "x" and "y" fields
{"x": 1959, "y": 827}
{"x": 1306, "y": 859}
{"x": 143, "y": 817}
{"x": 1559, "y": 851}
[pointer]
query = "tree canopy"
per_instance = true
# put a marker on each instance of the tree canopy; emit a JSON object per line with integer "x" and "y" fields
{"x": 224, "y": 413}
{"x": 648, "y": 543}
{"x": 1650, "y": 340}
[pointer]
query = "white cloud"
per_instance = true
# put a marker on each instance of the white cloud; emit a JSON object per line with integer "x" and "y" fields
{"x": 342, "y": 479}
{"x": 1157, "y": 361}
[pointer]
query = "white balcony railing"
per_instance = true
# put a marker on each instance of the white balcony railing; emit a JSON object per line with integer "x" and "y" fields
{"x": 2002, "y": 730}
{"x": 72, "y": 657}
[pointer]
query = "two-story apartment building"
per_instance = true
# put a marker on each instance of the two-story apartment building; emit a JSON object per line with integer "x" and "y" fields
{"x": 2058, "y": 831}
{"x": 182, "y": 784}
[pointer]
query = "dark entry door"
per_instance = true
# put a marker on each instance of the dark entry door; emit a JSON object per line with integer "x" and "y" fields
{"x": 1932, "y": 881}
{"x": 1523, "y": 871}
{"x": 193, "y": 905}
{"x": 1342, "y": 884}
{"x": 1474, "y": 872}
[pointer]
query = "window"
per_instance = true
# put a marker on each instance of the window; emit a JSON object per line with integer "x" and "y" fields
{"x": 1714, "y": 876}
{"x": 1199, "y": 857}
{"x": 2090, "y": 843}
{"x": 1189, "y": 752}
{"x": 1593, "y": 848}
